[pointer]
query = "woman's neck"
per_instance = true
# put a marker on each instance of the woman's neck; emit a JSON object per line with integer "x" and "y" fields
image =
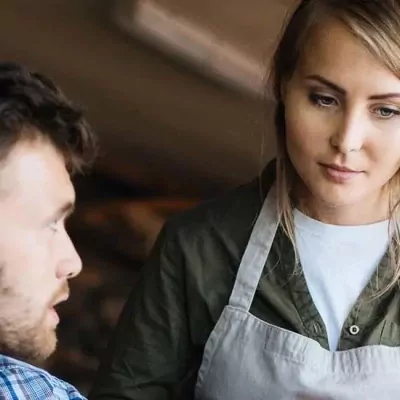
{"x": 367, "y": 211}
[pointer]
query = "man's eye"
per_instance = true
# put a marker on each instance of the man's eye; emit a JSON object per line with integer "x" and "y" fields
{"x": 54, "y": 226}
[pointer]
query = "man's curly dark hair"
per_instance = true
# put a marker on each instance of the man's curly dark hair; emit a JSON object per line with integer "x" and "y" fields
{"x": 32, "y": 106}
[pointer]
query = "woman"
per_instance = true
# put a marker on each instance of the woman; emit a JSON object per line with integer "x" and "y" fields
{"x": 294, "y": 297}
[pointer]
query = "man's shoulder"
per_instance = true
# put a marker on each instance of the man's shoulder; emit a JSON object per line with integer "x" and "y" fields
{"x": 19, "y": 380}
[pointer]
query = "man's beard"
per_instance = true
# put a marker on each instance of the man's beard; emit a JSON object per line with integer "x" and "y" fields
{"x": 27, "y": 342}
{"x": 25, "y": 339}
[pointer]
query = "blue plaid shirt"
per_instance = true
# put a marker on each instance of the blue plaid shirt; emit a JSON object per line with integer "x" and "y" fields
{"x": 19, "y": 381}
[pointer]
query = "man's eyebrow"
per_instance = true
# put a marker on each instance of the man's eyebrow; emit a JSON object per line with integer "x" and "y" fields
{"x": 64, "y": 211}
{"x": 342, "y": 91}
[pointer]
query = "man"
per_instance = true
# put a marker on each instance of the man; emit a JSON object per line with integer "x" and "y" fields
{"x": 43, "y": 140}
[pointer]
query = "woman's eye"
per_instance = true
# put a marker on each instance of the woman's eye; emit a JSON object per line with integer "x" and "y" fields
{"x": 322, "y": 101}
{"x": 386, "y": 112}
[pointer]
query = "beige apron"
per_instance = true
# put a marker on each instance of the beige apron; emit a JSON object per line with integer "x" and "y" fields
{"x": 246, "y": 358}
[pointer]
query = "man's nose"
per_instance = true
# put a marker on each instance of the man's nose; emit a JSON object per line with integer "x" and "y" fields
{"x": 70, "y": 263}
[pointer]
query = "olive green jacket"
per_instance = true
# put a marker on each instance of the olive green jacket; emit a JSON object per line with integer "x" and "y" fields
{"x": 158, "y": 344}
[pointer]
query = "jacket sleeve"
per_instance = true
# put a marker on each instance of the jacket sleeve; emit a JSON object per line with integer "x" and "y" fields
{"x": 150, "y": 351}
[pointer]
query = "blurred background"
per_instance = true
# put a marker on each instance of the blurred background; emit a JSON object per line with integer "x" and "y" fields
{"x": 176, "y": 92}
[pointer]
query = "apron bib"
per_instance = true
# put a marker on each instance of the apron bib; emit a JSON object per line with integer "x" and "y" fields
{"x": 246, "y": 358}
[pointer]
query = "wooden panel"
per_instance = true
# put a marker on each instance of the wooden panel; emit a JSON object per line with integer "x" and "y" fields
{"x": 250, "y": 25}
{"x": 148, "y": 110}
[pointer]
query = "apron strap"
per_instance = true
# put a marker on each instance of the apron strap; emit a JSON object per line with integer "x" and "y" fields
{"x": 256, "y": 254}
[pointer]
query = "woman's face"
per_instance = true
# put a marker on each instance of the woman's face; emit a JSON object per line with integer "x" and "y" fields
{"x": 342, "y": 114}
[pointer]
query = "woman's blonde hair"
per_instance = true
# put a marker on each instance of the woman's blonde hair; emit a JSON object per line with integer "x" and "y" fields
{"x": 377, "y": 24}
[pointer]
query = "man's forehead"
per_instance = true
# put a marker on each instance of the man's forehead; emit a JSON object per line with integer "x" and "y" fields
{"x": 37, "y": 170}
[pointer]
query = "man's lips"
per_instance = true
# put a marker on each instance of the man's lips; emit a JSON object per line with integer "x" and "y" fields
{"x": 60, "y": 300}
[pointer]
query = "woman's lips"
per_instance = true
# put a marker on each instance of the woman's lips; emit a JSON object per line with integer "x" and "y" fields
{"x": 339, "y": 174}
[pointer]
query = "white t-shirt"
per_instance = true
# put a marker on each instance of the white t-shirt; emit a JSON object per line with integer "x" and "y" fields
{"x": 338, "y": 261}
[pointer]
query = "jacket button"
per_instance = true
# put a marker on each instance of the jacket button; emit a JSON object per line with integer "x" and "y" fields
{"x": 354, "y": 330}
